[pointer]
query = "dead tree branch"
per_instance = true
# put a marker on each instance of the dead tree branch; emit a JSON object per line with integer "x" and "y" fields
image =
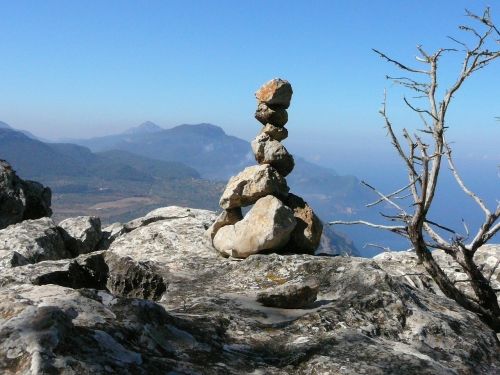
{"x": 423, "y": 159}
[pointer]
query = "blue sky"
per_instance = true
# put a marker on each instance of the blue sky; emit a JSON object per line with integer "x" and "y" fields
{"x": 83, "y": 68}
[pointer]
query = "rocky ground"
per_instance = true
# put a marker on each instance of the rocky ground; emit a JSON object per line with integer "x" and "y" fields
{"x": 153, "y": 296}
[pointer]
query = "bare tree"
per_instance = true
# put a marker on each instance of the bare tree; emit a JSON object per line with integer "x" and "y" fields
{"x": 423, "y": 153}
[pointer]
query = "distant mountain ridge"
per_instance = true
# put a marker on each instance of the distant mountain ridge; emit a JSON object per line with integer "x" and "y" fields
{"x": 66, "y": 159}
{"x": 204, "y": 147}
{"x": 4, "y": 125}
{"x": 145, "y": 127}
{"x": 114, "y": 185}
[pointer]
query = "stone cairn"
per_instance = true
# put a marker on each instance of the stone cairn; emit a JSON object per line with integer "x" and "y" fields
{"x": 278, "y": 220}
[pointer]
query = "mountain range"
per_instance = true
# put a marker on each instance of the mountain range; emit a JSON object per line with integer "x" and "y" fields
{"x": 125, "y": 175}
{"x": 218, "y": 156}
{"x": 204, "y": 147}
{"x": 115, "y": 185}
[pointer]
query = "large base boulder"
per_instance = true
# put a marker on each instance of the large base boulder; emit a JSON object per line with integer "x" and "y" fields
{"x": 252, "y": 184}
{"x": 267, "y": 226}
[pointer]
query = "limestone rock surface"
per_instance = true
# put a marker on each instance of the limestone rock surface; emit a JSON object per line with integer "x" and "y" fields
{"x": 275, "y": 132}
{"x": 81, "y": 234}
{"x": 277, "y": 93}
{"x": 267, "y": 226}
{"x": 208, "y": 321}
{"x": 31, "y": 241}
{"x": 109, "y": 234}
{"x": 84, "y": 271}
{"x": 116, "y": 230}
{"x": 266, "y": 115}
{"x": 272, "y": 152}
{"x": 132, "y": 279}
{"x": 175, "y": 238}
{"x": 306, "y": 236}
{"x": 52, "y": 329}
{"x": 251, "y": 184}
{"x": 406, "y": 266}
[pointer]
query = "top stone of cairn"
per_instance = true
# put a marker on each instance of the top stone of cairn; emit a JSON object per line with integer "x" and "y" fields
{"x": 276, "y": 93}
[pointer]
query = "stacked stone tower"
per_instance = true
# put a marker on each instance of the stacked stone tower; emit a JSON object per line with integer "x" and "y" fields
{"x": 278, "y": 220}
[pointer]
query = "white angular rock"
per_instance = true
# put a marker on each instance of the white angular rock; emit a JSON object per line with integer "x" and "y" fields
{"x": 116, "y": 230}
{"x": 272, "y": 152}
{"x": 81, "y": 234}
{"x": 251, "y": 184}
{"x": 267, "y": 226}
{"x": 176, "y": 238}
{"x": 31, "y": 241}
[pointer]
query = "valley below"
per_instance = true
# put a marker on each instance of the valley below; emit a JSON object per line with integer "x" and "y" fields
{"x": 121, "y": 202}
